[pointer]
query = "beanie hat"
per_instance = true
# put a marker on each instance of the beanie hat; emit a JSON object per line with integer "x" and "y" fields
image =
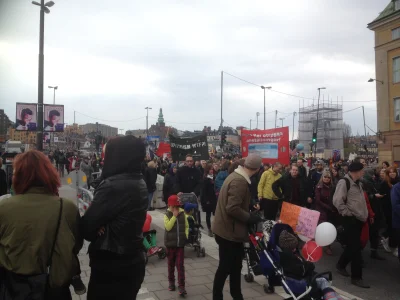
{"x": 287, "y": 240}
{"x": 173, "y": 200}
{"x": 253, "y": 161}
{"x": 355, "y": 167}
{"x": 189, "y": 206}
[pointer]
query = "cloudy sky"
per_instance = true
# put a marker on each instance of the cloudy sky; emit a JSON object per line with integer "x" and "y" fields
{"x": 111, "y": 59}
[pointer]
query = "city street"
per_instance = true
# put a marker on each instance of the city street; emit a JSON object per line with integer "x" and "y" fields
{"x": 383, "y": 276}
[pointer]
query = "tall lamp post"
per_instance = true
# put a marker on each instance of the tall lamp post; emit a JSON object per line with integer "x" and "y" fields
{"x": 372, "y": 80}
{"x": 54, "y": 95}
{"x": 294, "y": 115}
{"x": 257, "y": 115}
{"x": 316, "y": 125}
{"x": 147, "y": 120}
{"x": 44, "y": 8}
{"x": 282, "y": 120}
{"x": 264, "y": 88}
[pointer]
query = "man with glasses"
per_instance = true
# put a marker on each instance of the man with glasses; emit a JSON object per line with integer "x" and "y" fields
{"x": 188, "y": 178}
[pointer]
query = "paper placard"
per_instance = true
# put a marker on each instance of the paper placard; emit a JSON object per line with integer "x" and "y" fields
{"x": 303, "y": 221}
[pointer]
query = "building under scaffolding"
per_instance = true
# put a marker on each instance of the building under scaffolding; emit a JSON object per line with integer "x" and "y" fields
{"x": 330, "y": 127}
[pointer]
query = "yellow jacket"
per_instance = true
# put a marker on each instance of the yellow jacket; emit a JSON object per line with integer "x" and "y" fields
{"x": 169, "y": 223}
{"x": 265, "y": 185}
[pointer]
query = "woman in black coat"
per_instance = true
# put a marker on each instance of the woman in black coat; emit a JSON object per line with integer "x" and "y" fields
{"x": 114, "y": 222}
{"x": 150, "y": 176}
{"x": 169, "y": 183}
{"x": 208, "y": 197}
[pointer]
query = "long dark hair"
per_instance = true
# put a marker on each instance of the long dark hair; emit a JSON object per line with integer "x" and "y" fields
{"x": 123, "y": 155}
{"x": 207, "y": 170}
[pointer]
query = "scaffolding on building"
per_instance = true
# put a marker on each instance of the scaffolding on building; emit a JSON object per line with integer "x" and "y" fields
{"x": 330, "y": 127}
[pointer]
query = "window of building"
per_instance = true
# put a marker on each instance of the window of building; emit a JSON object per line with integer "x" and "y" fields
{"x": 396, "y": 69}
{"x": 397, "y": 5}
{"x": 397, "y": 109}
{"x": 396, "y": 33}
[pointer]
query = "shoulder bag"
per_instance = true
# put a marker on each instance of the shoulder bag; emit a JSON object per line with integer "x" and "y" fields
{"x": 28, "y": 287}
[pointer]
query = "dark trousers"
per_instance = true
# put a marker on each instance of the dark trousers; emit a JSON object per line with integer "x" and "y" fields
{"x": 352, "y": 251}
{"x": 208, "y": 219}
{"x": 107, "y": 284}
{"x": 230, "y": 264}
{"x": 270, "y": 208}
{"x": 176, "y": 259}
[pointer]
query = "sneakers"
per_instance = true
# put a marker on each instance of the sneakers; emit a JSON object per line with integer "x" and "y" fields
{"x": 182, "y": 291}
{"x": 171, "y": 287}
{"x": 152, "y": 251}
{"x": 385, "y": 244}
{"x": 396, "y": 252}
{"x": 78, "y": 285}
{"x": 360, "y": 283}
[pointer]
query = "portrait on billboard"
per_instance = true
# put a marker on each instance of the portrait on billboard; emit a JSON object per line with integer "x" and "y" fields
{"x": 53, "y": 118}
{"x": 26, "y": 117}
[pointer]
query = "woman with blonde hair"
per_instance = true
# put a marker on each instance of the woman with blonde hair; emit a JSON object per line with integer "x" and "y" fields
{"x": 150, "y": 177}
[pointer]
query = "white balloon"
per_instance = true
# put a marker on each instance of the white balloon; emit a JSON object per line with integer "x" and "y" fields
{"x": 325, "y": 234}
{"x": 304, "y": 238}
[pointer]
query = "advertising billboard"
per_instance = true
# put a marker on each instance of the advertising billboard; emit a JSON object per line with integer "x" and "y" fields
{"x": 26, "y": 117}
{"x": 53, "y": 118}
{"x": 271, "y": 144}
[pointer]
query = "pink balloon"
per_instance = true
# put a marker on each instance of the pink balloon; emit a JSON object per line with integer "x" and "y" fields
{"x": 311, "y": 251}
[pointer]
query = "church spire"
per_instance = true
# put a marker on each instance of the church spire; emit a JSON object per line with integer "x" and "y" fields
{"x": 161, "y": 118}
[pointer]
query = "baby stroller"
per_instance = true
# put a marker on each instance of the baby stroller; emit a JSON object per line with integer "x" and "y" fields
{"x": 150, "y": 242}
{"x": 194, "y": 239}
{"x": 267, "y": 252}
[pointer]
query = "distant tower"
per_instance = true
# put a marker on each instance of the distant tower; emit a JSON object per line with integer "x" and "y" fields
{"x": 160, "y": 121}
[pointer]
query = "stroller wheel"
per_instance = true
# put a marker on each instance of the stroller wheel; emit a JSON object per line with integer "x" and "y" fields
{"x": 249, "y": 277}
{"x": 198, "y": 252}
{"x": 162, "y": 254}
{"x": 203, "y": 252}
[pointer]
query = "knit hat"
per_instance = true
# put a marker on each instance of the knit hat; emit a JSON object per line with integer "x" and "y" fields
{"x": 173, "y": 200}
{"x": 355, "y": 167}
{"x": 287, "y": 240}
{"x": 189, "y": 206}
{"x": 253, "y": 161}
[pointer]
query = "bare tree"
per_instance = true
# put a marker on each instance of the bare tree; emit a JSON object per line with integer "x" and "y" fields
{"x": 346, "y": 134}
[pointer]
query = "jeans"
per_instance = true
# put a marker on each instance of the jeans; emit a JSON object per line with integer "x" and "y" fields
{"x": 107, "y": 284}
{"x": 150, "y": 199}
{"x": 176, "y": 259}
{"x": 352, "y": 252}
{"x": 208, "y": 219}
{"x": 270, "y": 208}
{"x": 230, "y": 264}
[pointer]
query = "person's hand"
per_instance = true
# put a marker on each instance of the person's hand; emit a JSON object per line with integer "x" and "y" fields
{"x": 176, "y": 211}
{"x": 257, "y": 206}
{"x": 260, "y": 198}
{"x": 309, "y": 200}
{"x": 371, "y": 221}
{"x": 378, "y": 196}
{"x": 254, "y": 219}
{"x": 101, "y": 231}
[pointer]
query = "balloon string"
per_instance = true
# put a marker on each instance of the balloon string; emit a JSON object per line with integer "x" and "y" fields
{"x": 310, "y": 254}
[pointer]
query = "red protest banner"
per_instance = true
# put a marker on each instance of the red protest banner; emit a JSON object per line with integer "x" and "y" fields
{"x": 271, "y": 144}
{"x": 163, "y": 148}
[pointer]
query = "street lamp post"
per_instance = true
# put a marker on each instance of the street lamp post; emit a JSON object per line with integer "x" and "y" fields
{"x": 372, "y": 80}
{"x": 282, "y": 121}
{"x": 257, "y": 115}
{"x": 54, "y": 95}
{"x": 147, "y": 120}
{"x": 316, "y": 125}
{"x": 250, "y": 123}
{"x": 294, "y": 115}
{"x": 44, "y": 8}
{"x": 263, "y": 87}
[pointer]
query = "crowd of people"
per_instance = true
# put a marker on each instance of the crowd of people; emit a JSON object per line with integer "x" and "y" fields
{"x": 42, "y": 247}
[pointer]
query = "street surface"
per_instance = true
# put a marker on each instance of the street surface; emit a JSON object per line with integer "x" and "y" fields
{"x": 382, "y": 275}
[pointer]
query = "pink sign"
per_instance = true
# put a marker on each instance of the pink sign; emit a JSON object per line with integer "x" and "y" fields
{"x": 307, "y": 222}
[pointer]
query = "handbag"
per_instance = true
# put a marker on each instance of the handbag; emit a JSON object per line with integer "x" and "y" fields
{"x": 28, "y": 287}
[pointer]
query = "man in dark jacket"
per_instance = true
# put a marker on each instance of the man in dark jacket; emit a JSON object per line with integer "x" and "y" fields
{"x": 302, "y": 169}
{"x": 188, "y": 178}
{"x": 292, "y": 188}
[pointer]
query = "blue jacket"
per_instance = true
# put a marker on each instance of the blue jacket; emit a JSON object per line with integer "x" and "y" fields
{"x": 219, "y": 180}
{"x": 395, "y": 196}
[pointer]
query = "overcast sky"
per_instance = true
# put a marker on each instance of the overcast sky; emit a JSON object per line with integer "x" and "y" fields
{"x": 111, "y": 59}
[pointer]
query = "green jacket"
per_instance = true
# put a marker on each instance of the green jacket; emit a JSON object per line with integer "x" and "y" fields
{"x": 27, "y": 227}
